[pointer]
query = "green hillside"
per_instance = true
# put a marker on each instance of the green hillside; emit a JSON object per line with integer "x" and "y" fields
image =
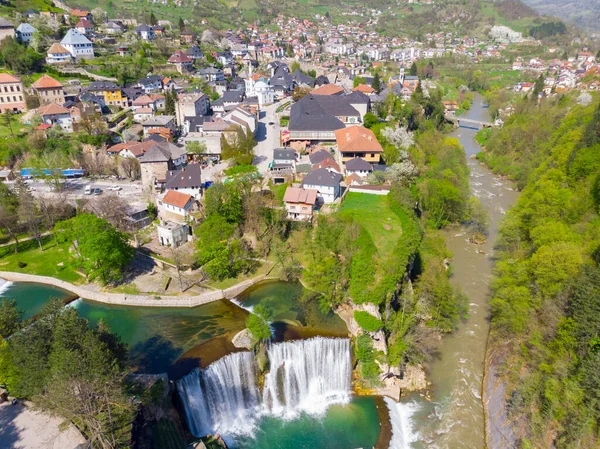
{"x": 583, "y": 13}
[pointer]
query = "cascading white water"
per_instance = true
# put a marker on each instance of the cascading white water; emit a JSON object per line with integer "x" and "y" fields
{"x": 222, "y": 398}
{"x": 4, "y": 285}
{"x": 400, "y": 417}
{"x": 307, "y": 375}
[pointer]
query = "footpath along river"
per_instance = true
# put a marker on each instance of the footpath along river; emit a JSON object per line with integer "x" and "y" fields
{"x": 454, "y": 418}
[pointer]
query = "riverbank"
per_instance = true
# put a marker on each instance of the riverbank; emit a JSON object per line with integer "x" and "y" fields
{"x": 136, "y": 300}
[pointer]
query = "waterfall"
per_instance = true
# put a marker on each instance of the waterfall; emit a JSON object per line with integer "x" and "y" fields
{"x": 307, "y": 375}
{"x": 400, "y": 417}
{"x": 222, "y": 398}
{"x": 4, "y": 285}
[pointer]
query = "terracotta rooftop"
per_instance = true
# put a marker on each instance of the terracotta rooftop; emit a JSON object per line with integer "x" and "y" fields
{"x": 52, "y": 108}
{"x": 300, "y": 195}
{"x": 357, "y": 139}
{"x": 7, "y": 78}
{"x": 364, "y": 88}
{"x": 179, "y": 57}
{"x": 46, "y": 82}
{"x": 328, "y": 89}
{"x": 176, "y": 199}
{"x": 57, "y": 49}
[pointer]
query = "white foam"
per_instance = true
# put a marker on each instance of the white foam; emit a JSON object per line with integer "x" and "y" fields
{"x": 4, "y": 285}
{"x": 403, "y": 433}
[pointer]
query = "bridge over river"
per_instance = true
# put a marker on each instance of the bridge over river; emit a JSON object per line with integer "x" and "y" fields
{"x": 462, "y": 122}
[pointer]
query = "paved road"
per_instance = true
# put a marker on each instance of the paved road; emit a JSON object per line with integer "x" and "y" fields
{"x": 267, "y": 137}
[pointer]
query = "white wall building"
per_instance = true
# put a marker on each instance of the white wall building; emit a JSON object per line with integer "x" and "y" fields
{"x": 78, "y": 45}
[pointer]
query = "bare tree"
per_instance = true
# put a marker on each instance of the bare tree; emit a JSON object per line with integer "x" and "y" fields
{"x": 9, "y": 217}
{"x": 54, "y": 209}
{"x": 181, "y": 259}
{"x": 130, "y": 167}
{"x": 30, "y": 216}
{"x": 113, "y": 209}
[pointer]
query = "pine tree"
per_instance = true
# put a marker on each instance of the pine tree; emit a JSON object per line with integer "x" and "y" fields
{"x": 538, "y": 87}
{"x": 181, "y": 24}
{"x": 170, "y": 100}
{"x": 376, "y": 82}
{"x": 413, "y": 69}
{"x": 153, "y": 20}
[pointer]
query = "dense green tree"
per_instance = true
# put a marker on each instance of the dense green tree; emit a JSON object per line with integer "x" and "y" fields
{"x": 224, "y": 200}
{"x": 102, "y": 251}
{"x": 181, "y": 24}
{"x": 414, "y": 70}
{"x": 18, "y": 57}
{"x": 170, "y": 101}
{"x": 9, "y": 214}
{"x": 258, "y": 323}
{"x": 152, "y": 19}
{"x": 10, "y": 317}
{"x": 376, "y": 82}
{"x": 370, "y": 119}
{"x": 358, "y": 80}
{"x": 237, "y": 144}
{"x": 538, "y": 87}
{"x": 76, "y": 372}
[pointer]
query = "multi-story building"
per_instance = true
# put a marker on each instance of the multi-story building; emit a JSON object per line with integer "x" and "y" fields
{"x": 7, "y": 29}
{"x": 57, "y": 54}
{"x": 25, "y": 32}
{"x": 193, "y": 104}
{"x": 113, "y": 95}
{"x": 78, "y": 45}
{"x": 11, "y": 93}
{"x": 49, "y": 90}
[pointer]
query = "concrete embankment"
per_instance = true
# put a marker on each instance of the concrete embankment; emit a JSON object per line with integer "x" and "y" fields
{"x": 136, "y": 300}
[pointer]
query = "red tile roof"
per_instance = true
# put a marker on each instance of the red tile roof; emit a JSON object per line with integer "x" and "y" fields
{"x": 357, "y": 139}
{"x": 8, "y": 78}
{"x": 52, "y": 108}
{"x": 177, "y": 199}
{"x": 300, "y": 195}
{"x": 47, "y": 82}
{"x": 328, "y": 89}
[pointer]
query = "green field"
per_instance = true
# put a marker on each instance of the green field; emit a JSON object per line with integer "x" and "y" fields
{"x": 374, "y": 214}
{"x": 42, "y": 263}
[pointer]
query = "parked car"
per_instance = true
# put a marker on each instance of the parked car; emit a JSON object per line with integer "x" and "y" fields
{"x": 88, "y": 190}
{"x": 97, "y": 191}
{"x": 115, "y": 188}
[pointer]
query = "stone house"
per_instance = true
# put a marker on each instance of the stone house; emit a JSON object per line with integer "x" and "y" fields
{"x": 11, "y": 93}
{"x": 49, "y": 90}
{"x": 326, "y": 183}
{"x": 158, "y": 160}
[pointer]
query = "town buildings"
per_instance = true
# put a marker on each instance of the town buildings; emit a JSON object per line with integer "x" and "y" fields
{"x": 11, "y": 93}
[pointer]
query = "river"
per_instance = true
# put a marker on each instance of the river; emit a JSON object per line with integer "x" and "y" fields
{"x": 454, "y": 417}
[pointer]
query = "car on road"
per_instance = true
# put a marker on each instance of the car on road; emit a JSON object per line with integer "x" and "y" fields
{"x": 88, "y": 190}
{"x": 97, "y": 191}
{"x": 114, "y": 188}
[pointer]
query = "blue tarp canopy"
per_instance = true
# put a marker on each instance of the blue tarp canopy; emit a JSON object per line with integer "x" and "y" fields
{"x": 66, "y": 172}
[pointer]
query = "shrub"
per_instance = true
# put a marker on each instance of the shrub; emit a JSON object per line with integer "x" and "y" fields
{"x": 22, "y": 264}
{"x": 367, "y": 321}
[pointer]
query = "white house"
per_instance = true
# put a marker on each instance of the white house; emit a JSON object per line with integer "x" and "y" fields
{"x": 57, "y": 54}
{"x": 54, "y": 114}
{"x": 359, "y": 167}
{"x": 187, "y": 180}
{"x": 174, "y": 206}
{"x": 145, "y": 32}
{"x": 25, "y": 32}
{"x": 326, "y": 183}
{"x": 78, "y": 45}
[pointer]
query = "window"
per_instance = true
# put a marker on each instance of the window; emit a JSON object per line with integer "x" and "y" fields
{"x": 12, "y": 88}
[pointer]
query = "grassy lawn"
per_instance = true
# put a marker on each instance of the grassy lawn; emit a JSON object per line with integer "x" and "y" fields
{"x": 43, "y": 263}
{"x": 374, "y": 214}
{"x": 279, "y": 191}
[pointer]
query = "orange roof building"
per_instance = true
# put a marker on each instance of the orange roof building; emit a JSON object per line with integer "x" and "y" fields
{"x": 365, "y": 89}
{"x": 328, "y": 89}
{"x": 11, "y": 93}
{"x": 49, "y": 90}
{"x": 358, "y": 141}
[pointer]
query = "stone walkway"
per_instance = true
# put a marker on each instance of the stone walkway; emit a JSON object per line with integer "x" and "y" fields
{"x": 23, "y": 428}
{"x": 136, "y": 300}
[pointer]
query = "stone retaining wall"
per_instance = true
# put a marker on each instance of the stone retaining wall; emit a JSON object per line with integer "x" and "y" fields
{"x": 136, "y": 300}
